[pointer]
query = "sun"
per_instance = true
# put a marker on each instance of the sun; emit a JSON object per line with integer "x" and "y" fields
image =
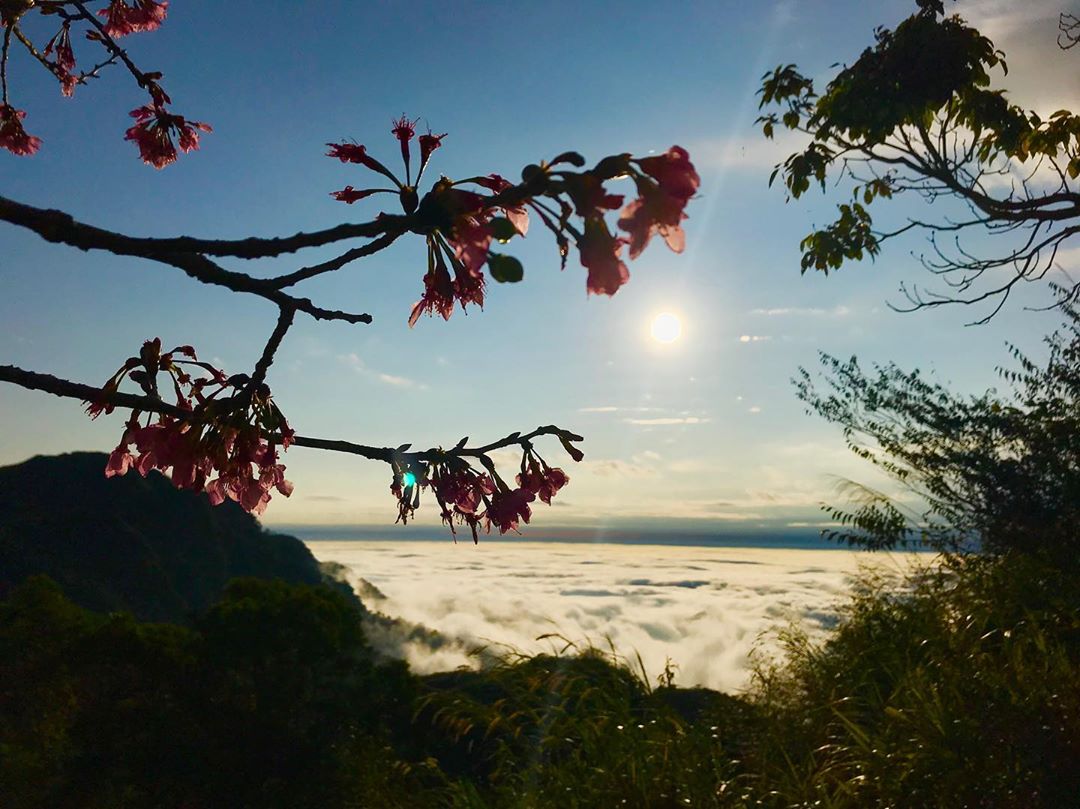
{"x": 666, "y": 328}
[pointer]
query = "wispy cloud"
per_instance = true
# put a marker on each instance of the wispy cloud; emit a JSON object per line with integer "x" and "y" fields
{"x": 613, "y": 409}
{"x": 357, "y": 364}
{"x": 618, "y": 469}
{"x": 398, "y": 381}
{"x": 667, "y": 421}
{"x": 754, "y": 338}
{"x": 785, "y": 311}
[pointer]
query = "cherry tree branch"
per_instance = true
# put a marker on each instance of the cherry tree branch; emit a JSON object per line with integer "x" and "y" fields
{"x": 47, "y": 383}
{"x": 337, "y": 263}
{"x": 110, "y": 45}
{"x": 59, "y": 227}
{"x": 4, "y": 62}
{"x": 285, "y": 320}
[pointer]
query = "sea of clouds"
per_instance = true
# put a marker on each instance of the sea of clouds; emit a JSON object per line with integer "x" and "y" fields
{"x": 703, "y": 608}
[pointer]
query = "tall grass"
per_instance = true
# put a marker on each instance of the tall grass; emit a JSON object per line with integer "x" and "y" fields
{"x": 963, "y": 691}
{"x": 581, "y": 727}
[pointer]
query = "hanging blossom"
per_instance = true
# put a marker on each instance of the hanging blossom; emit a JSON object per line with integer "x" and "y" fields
{"x": 64, "y": 59}
{"x": 153, "y": 134}
{"x": 668, "y": 184}
{"x": 220, "y": 447}
{"x": 12, "y": 135}
{"x": 464, "y": 219}
{"x": 122, "y": 18}
{"x": 457, "y": 253}
{"x": 600, "y": 255}
{"x": 481, "y": 501}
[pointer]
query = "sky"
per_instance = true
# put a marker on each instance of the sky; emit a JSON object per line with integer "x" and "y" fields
{"x": 702, "y": 434}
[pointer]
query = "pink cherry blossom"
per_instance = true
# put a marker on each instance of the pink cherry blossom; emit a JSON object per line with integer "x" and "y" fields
{"x": 471, "y": 239}
{"x": 153, "y": 133}
{"x": 12, "y": 135}
{"x": 659, "y": 208}
{"x": 60, "y": 45}
{"x": 404, "y": 130}
{"x": 600, "y": 253}
{"x": 469, "y": 287}
{"x": 356, "y": 153}
{"x": 507, "y": 509}
{"x": 438, "y": 292}
{"x": 120, "y": 461}
{"x": 673, "y": 172}
{"x": 428, "y": 144}
{"x": 590, "y": 197}
{"x": 545, "y": 484}
{"x": 350, "y": 195}
{"x": 122, "y": 19}
{"x": 654, "y": 212}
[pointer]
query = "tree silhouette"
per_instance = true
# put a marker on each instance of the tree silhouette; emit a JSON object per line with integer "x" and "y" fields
{"x": 995, "y": 472}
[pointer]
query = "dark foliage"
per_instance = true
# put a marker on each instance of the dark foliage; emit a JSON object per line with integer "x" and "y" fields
{"x": 996, "y": 471}
{"x": 132, "y": 543}
{"x": 272, "y": 700}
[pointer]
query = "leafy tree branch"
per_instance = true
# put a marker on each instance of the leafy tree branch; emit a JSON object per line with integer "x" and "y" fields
{"x": 917, "y": 115}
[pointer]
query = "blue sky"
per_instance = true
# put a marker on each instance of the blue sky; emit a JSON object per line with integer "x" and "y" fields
{"x": 705, "y": 432}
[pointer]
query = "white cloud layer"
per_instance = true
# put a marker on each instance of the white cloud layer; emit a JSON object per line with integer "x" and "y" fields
{"x": 705, "y": 608}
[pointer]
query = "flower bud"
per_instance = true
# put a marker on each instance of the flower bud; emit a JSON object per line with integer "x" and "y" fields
{"x": 409, "y": 199}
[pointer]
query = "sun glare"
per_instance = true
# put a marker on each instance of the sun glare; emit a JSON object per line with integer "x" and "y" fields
{"x": 666, "y": 328}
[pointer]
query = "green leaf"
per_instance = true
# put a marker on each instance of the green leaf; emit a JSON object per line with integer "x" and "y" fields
{"x": 505, "y": 269}
{"x": 502, "y": 229}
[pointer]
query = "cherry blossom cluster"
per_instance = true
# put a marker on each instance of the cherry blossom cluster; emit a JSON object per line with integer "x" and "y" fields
{"x": 157, "y": 132}
{"x": 479, "y": 500}
{"x": 218, "y": 440}
{"x": 462, "y": 219}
